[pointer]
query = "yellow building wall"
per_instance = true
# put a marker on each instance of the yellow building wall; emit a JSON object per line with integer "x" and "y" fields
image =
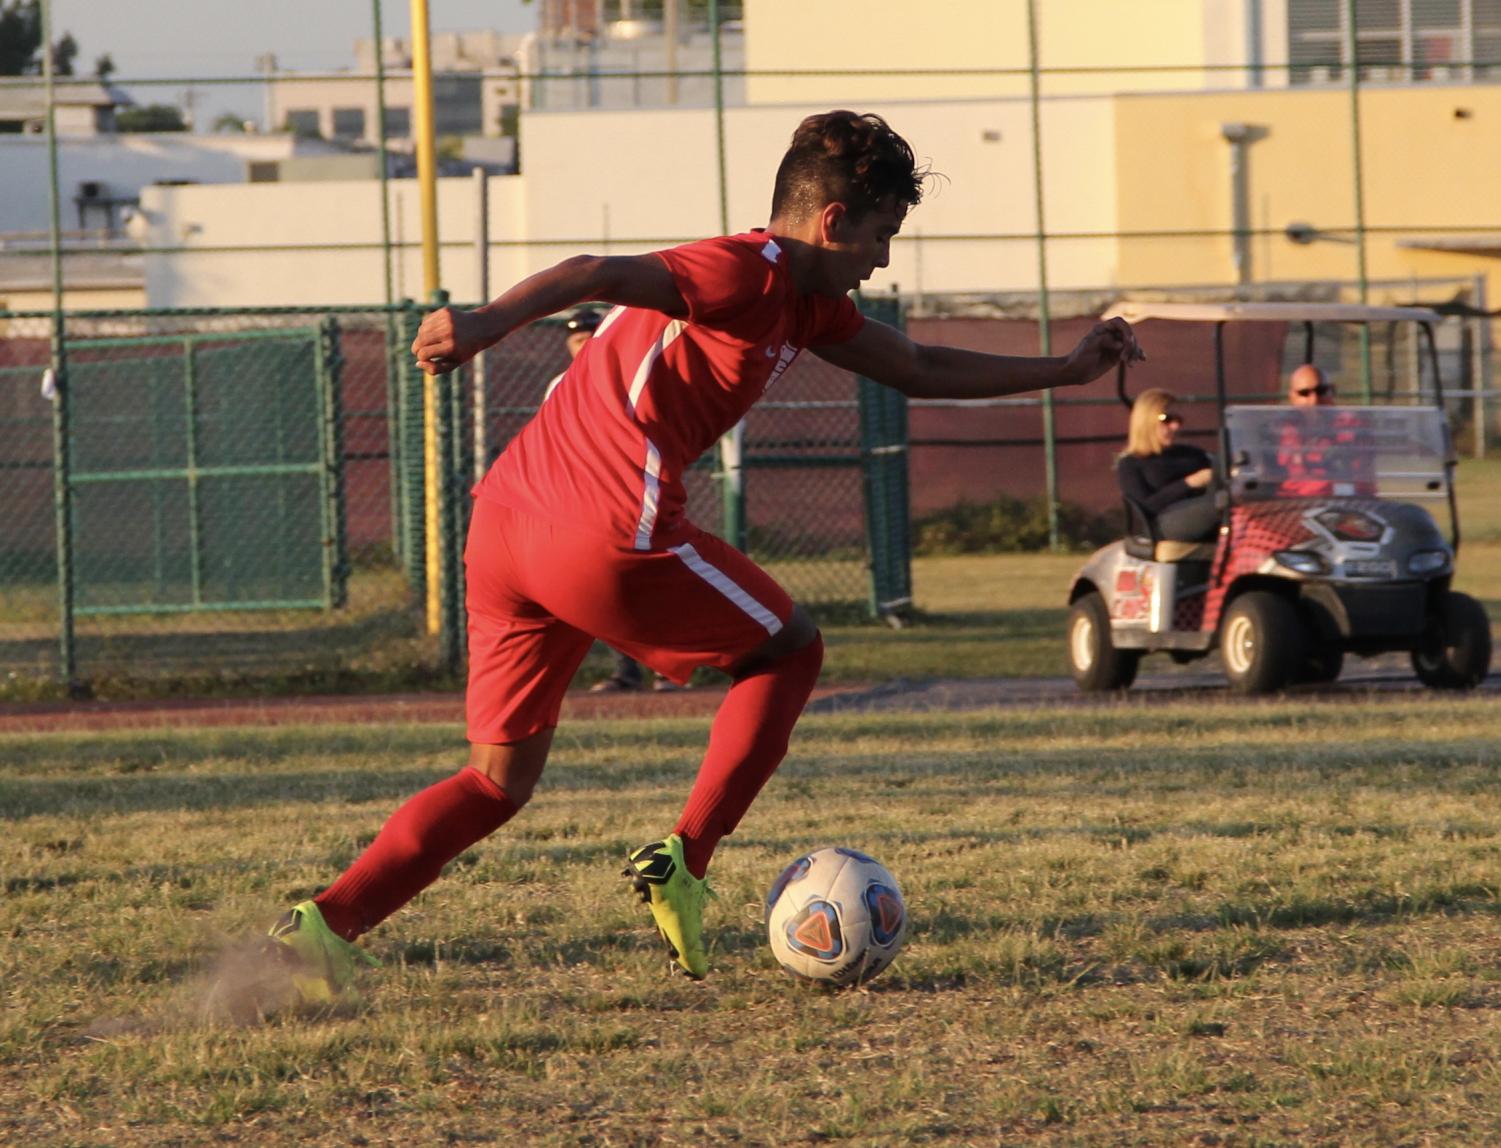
{"x": 896, "y": 35}
{"x": 1425, "y": 168}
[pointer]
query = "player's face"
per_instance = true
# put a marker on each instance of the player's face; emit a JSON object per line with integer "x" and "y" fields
{"x": 859, "y": 247}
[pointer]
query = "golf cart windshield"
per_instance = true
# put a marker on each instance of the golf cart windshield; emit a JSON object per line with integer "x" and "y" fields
{"x": 1399, "y": 453}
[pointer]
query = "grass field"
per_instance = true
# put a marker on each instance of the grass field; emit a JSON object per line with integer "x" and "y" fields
{"x": 1266, "y": 924}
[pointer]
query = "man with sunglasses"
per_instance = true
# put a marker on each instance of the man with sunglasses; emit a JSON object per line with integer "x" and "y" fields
{"x": 1318, "y": 452}
{"x": 1307, "y": 386}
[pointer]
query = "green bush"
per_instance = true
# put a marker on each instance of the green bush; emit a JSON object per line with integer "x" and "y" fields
{"x": 1008, "y": 525}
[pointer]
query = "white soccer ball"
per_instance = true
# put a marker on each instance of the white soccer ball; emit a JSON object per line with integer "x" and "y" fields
{"x": 836, "y": 917}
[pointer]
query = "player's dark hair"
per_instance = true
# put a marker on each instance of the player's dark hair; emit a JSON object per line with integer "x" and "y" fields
{"x": 849, "y": 158}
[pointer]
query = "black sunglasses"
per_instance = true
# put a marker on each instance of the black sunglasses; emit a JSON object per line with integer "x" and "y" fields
{"x": 1172, "y": 418}
{"x": 1321, "y": 390}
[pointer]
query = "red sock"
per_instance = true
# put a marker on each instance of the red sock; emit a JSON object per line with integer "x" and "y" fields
{"x": 746, "y": 744}
{"x": 422, "y": 836}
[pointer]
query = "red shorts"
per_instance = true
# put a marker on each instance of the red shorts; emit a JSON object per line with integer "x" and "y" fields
{"x": 539, "y": 594}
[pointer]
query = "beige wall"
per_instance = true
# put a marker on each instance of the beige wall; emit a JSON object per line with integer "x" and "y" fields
{"x": 629, "y": 181}
{"x": 654, "y": 176}
{"x": 991, "y": 34}
{"x": 1424, "y": 169}
{"x": 636, "y": 180}
{"x": 74, "y": 298}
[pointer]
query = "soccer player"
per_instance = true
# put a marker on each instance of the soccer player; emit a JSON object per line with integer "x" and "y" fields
{"x": 578, "y": 530}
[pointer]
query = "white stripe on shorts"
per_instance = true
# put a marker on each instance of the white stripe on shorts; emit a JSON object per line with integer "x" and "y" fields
{"x": 670, "y": 332}
{"x": 725, "y": 585}
{"x": 650, "y": 495}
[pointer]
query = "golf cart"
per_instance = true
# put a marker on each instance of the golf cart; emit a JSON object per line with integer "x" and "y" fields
{"x": 1299, "y": 573}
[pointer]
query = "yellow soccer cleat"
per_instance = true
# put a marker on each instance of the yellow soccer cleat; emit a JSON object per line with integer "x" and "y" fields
{"x": 322, "y": 962}
{"x": 676, "y": 898}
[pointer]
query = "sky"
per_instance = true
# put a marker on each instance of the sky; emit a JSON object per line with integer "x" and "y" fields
{"x": 149, "y": 39}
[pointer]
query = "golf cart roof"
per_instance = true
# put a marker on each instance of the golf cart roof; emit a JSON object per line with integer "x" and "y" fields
{"x": 1135, "y": 312}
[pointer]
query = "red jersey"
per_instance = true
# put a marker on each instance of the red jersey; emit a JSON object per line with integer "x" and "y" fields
{"x": 648, "y": 394}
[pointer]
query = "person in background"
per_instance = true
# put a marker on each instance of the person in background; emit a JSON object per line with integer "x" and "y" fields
{"x": 580, "y": 325}
{"x": 1319, "y": 455}
{"x": 1169, "y": 479}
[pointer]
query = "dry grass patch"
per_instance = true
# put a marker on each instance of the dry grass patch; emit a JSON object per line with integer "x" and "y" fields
{"x": 1207, "y": 924}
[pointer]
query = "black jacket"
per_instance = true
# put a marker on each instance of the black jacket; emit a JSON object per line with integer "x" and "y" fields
{"x": 1157, "y": 481}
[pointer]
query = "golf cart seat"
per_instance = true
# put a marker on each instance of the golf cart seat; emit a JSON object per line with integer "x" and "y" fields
{"x": 1143, "y": 539}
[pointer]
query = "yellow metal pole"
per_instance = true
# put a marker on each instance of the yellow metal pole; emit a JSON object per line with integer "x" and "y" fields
{"x": 427, "y": 185}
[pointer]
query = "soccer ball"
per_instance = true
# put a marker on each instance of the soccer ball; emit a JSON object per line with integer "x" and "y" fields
{"x": 835, "y": 917}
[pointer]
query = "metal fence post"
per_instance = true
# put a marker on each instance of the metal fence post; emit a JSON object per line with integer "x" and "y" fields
{"x": 884, "y": 480}
{"x": 451, "y": 456}
{"x": 732, "y": 446}
{"x": 408, "y": 465}
{"x": 1480, "y": 348}
{"x": 1044, "y": 332}
{"x": 61, "y": 476}
{"x": 62, "y": 495}
{"x": 1352, "y": 51}
{"x": 335, "y": 522}
{"x": 195, "y": 510}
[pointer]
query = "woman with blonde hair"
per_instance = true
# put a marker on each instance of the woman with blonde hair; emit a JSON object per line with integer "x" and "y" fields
{"x": 1168, "y": 479}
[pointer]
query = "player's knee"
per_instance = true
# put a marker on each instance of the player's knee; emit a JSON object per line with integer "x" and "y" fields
{"x": 515, "y": 768}
{"x": 796, "y": 636}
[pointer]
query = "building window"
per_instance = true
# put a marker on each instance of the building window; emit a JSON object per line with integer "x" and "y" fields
{"x": 458, "y": 105}
{"x": 1486, "y": 21}
{"x": 349, "y": 123}
{"x": 1397, "y": 41}
{"x": 303, "y": 122}
{"x": 398, "y": 123}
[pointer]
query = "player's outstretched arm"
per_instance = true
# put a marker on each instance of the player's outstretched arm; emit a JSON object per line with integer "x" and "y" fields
{"x": 925, "y": 371}
{"x": 448, "y": 337}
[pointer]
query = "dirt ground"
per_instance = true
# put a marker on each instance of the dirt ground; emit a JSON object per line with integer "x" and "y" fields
{"x": 947, "y": 694}
{"x": 398, "y": 708}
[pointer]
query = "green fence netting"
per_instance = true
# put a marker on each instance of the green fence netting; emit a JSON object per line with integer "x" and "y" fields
{"x": 245, "y": 493}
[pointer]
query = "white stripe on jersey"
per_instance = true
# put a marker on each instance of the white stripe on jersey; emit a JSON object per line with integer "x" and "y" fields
{"x": 610, "y": 317}
{"x": 650, "y": 496}
{"x": 722, "y": 582}
{"x": 670, "y": 332}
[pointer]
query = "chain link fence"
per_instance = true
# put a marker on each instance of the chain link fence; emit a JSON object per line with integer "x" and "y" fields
{"x": 213, "y": 496}
{"x": 203, "y": 495}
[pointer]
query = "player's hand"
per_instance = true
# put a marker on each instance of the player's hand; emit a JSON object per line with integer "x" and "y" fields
{"x": 1106, "y": 345}
{"x": 446, "y": 339}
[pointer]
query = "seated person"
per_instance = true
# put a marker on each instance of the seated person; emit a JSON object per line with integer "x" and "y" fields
{"x": 1309, "y": 453}
{"x": 1170, "y": 479}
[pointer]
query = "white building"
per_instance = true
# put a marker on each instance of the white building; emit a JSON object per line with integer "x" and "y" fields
{"x": 954, "y": 79}
{"x": 99, "y": 175}
{"x": 79, "y": 108}
{"x": 475, "y": 90}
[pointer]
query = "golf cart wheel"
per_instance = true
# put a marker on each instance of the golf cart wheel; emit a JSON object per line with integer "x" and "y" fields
{"x": 1262, "y": 643}
{"x": 1456, "y": 653}
{"x": 1322, "y": 665}
{"x": 1092, "y": 659}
